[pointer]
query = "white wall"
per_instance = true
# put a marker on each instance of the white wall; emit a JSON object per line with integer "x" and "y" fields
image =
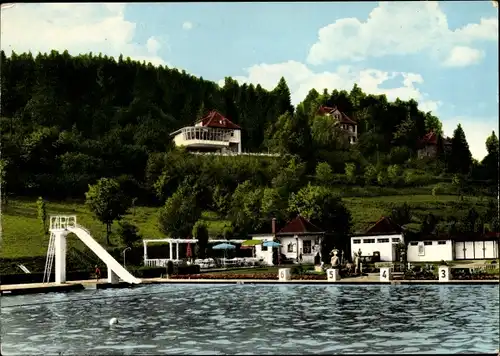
{"x": 431, "y": 253}
{"x": 306, "y": 257}
{"x": 387, "y": 253}
{"x": 476, "y": 250}
{"x": 266, "y": 255}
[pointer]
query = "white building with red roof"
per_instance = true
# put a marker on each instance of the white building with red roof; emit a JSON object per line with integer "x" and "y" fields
{"x": 211, "y": 133}
{"x": 349, "y": 126}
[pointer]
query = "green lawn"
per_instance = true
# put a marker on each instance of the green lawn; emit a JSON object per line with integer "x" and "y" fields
{"x": 22, "y": 236}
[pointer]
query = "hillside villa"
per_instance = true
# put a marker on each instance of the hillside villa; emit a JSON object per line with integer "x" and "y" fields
{"x": 349, "y": 126}
{"x": 428, "y": 145}
{"x": 211, "y": 133}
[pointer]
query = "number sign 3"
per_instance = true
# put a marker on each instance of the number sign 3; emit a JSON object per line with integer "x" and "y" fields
{"x": 443, "y": 273}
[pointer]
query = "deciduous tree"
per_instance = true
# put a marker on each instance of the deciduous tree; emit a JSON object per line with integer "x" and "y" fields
{"x": 107, "y": 202}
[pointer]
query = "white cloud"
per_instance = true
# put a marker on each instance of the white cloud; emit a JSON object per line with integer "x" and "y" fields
{"x": 397, "y": 28}
{"x": 462, "y": 56}
{"x": 79, "y": 28}
{"x": 477, "y": 130}
{"x": 301, "y": 79}
{"x": 187, "y": 26}
{"x": 153, "y": 45}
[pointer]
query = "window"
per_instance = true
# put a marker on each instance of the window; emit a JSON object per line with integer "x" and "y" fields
{"x": 307, "y": 246}
{"x": 382, "y": 240}
{"x": 396, "y": 239}
{"x": 413, "y": 243}
{"x": 290, "y": 247}
{"x": 427, "y": 243}
{"x": 421, "y": 249}
{"x": 369, "y": 241}
{"x": 356, "y": 241}
{"x": 441, "y": 242}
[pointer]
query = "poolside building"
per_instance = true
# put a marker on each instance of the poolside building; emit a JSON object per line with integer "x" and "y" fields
{"x": 383, "y": 237}
{"x": 300, "y": 240}
{"x": 450, "y": 248}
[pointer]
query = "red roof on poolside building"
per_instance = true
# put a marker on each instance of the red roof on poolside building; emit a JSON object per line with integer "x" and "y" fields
{"x": 384, "y": 226}
{"x": 217, "y": 120}
{"x": 300, "y": 226}
{"x": 344, "y": 119}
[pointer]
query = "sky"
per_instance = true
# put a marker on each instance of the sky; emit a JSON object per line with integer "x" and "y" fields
{"x": 442, "y": 54}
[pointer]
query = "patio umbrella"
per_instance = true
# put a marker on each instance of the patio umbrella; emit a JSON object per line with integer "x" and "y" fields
{"x": 224, "y": 246}
{"x": 271, "y": 244}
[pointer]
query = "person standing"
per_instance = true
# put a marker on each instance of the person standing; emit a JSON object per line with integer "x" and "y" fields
{"x": 97, "y": 273}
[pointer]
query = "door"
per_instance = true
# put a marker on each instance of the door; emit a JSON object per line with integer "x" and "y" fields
{"x": 459, "y": 251}
{"x": 489, "y": 249}
{"x": 469, "y": 250}
{"x": 479, "y": 250}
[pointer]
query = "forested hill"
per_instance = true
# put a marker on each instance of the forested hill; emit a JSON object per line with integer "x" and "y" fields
{"x": 68, "y": 120}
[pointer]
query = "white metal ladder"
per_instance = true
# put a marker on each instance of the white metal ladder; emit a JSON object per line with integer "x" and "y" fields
{"x": 51, "y": 252}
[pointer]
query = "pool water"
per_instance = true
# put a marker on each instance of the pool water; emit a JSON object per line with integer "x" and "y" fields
{"x": 254, "y": 319}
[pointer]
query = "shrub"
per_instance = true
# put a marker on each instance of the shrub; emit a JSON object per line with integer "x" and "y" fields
{"x": 324, "y": 173}
{"x": 382, "y": 178}
{"x": 370, "y": 174}
{"x": 394, "y": 174}
{"x": 350, "y": 172}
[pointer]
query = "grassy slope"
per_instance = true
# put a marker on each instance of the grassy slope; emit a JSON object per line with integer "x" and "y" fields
{"x": 22, "y": 233}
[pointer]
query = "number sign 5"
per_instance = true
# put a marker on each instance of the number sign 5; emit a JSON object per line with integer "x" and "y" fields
{"x": 330, "y": 274}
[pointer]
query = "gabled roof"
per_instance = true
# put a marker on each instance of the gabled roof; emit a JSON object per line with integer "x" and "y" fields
{"x": 344, "y": 119}
{"x": 431, "y": 138}
{"x": 300, "y": 226}
{"x": 217, "y": 120}
{"x": 384, "y": 225}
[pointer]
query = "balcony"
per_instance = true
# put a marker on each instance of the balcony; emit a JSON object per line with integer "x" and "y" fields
{"x": 198, "y": 136}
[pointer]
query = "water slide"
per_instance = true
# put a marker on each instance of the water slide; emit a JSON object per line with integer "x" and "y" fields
{"x": 84, "y": 235}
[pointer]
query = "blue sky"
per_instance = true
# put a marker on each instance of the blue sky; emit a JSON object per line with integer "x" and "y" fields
{"x": 444, "y": 55}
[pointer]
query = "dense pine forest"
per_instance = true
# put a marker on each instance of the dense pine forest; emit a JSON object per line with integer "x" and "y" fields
{"x": 67, "y": 121}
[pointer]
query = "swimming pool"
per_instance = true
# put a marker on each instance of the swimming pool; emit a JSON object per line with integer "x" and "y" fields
{"x": 254, "y": 319}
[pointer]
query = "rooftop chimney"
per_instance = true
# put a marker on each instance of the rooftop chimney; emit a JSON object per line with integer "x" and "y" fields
{"x": 273, "y": 226}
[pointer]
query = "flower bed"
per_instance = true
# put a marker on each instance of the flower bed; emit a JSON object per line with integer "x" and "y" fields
{"x": 228, "y": 276}
{"x": 257, "y": 276}
{"x": 476, "y": 276}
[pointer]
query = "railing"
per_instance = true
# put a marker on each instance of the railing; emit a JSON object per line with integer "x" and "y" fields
{"x": 156, "y": 262}
{"x": 206, "y": 134}
{"x": 237, "y": 154}
{"x": 61, "y": 222}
